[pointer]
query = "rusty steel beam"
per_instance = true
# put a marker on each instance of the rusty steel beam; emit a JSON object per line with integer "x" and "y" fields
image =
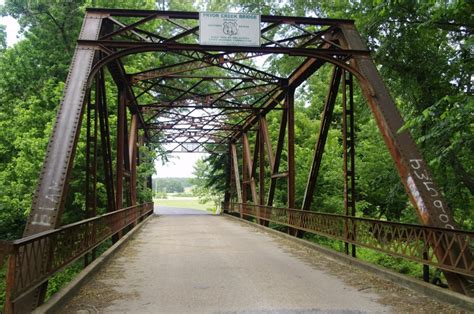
{"x": 119, "y": 166}
{"x": 291, "y": 184}
{"x": 51, "y": 192}
{"x": 306, "y": 69}
{"x": 217, "y": 60}
{"x": 277, "y": 158}
{"x": 228, "y": 181}
{"x": 261, "y": 166}
{"x": 178, "y": 47}
{"x": 419, "y": 183}
{"x": 348, "y": 148}
{"x": 150, "y": 107}
{"x": 133, "y": 151}
{"x": 290, "y": 107}
{"x": 266, "y": 139}
{"x": 245, "y": 178}
{"x": 186, "y": 15}
{"x": 323, "y": 133}
{"x": 235, "y": 167}
{"x": 255, "y": 154}
{"x": 249, "y": 165}
{"x": 92, "y": 121}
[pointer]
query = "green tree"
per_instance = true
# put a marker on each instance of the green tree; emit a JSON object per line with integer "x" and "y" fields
{"x": 208, "y": 179}
{"x": 3, "y": 37}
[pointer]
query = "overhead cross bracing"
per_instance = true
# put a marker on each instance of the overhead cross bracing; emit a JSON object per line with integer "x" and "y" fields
{"x": 199, "y": 98}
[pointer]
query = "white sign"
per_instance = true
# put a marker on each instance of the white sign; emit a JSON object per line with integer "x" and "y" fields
{"x": 229, "y": 29}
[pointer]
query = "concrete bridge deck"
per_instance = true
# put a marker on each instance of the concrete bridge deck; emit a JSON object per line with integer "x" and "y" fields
{"x": 213, "y": 264}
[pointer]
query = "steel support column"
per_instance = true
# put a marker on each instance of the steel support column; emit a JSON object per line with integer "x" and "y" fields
{"x": 291, "y": 189}
{"x": 92, "y": 120}
{"x": 119, "y": 167}
{"x": 261, "y": 166}
{"x": 133, "y": 152}
{"x": 348, "y": 148}
{"x": 245, "y": 174}
{"x": 235, "y": 166}
{"x": 228, "y": 181}
{"x": 249, "y": 165}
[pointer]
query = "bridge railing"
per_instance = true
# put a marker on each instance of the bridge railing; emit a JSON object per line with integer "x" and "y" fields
{"x": 68, "y": 243}
{"x": 413, "y": 242}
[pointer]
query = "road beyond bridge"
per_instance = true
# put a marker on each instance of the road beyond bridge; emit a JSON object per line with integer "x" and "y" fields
{"x": 209, "y": 264}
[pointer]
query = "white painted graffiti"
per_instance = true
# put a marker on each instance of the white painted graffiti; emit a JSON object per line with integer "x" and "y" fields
{"x": 43, "y": 214}
{"x": 416, "y": 195}
{"x": 421, "y": 174}
{"x": 41, "y": 220}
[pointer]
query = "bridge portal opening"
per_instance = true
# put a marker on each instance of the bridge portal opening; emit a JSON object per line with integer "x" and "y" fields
{"x": 146, "y": 77}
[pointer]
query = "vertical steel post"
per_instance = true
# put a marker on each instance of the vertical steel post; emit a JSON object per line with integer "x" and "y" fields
{"x": 291, "y": 189}
{"x": 119, "y": 172}
{"x": 235, "y": 166}
{"x": 265, "y": 137}
{"x": 228, "y": 181}
{"x": 120, "y": 148}
{"x": 249, "y": 167}
{"x": 261, "y": 167}
{"x": 91, "y": 166}
{"x": 245, "y": 177}
{"x": 9, "y": 306}
{"x": 348, "y": 147}
{"x": 132, "y": 151}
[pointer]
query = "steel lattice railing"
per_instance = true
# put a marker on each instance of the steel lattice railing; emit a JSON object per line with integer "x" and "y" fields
{"x": 413, "y": 242}
{"x": 67, "y": 243}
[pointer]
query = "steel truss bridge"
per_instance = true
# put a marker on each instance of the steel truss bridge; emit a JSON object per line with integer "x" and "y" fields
{"x": 171, "y": 90}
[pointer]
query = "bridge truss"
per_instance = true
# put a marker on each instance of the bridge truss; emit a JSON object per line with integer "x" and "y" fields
{"x": 197, "y": 98}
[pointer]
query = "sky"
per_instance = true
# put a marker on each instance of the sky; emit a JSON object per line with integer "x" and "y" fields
{"x": 12, "y": 27}
{"x": 180, "y": 165}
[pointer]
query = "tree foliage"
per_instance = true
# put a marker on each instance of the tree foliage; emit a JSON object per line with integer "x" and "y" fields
{"x": 170, "y": 185}
{"x": 209, "y": 175}
{"x": 3, "y": 37}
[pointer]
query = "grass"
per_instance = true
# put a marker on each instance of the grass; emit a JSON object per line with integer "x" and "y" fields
{"x": 185, "y": 202}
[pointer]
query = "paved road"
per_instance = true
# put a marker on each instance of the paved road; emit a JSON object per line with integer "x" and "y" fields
{"x": 165, "y": 210}
{"x": 213, "y": 264}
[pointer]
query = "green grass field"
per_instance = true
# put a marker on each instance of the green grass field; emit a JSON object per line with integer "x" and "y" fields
{"x": 184, "y": 202}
